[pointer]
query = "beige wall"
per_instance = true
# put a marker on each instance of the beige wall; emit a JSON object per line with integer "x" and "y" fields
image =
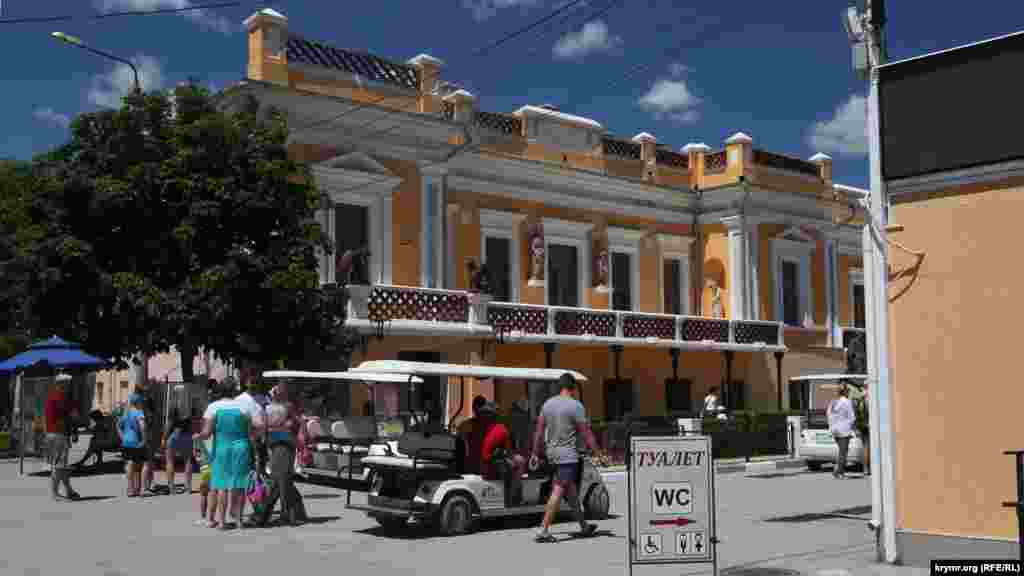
{"x": 954, "y": 323}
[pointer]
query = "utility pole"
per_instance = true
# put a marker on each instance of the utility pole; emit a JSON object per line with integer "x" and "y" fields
{"x": 866, "y": 34}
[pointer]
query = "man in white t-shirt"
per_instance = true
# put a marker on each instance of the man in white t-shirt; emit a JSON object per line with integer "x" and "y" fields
{"x": 840, "y": 422}
{"x": 252, "y": 407}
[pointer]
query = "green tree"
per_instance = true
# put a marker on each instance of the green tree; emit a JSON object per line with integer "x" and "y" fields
{"x": 175, "y": 222}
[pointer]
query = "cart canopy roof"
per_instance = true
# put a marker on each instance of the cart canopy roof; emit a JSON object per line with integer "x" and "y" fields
{"x": 349, "y": 376}
{"x": 829, "y": 377}
{"x": 464, "y": 370}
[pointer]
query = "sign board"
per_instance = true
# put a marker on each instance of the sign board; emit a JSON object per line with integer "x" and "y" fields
{"x": 672, "y": 500}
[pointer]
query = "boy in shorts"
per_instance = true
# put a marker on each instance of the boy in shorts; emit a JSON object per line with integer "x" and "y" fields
{"x": 202, "y": 454}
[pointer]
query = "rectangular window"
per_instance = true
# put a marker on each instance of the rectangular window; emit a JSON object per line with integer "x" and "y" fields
{"x": 618, "y": 399}
{"x": 673, "y": 279}
{"x": 790, "y": 293}
{"x": 677, "y": 395}
{"x": 563, "y": 275}
{"x": 858, "y": 305}
{"x": 351, "y": 227}
{"x": 622, "y": 292}
{"x": 498, "y": 257}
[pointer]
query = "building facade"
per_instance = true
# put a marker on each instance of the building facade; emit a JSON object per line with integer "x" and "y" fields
{"x": 657, "y": 272}
{"x": 954, "y": 192}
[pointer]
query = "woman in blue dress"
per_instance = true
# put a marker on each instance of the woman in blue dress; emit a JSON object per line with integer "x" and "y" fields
{"x": 228, "y": 423}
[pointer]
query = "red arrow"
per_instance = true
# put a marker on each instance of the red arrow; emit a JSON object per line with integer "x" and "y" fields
{"x": 673, "y": 522}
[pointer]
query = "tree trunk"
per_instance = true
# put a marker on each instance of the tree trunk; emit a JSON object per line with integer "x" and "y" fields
{"x": 187, "y": 351}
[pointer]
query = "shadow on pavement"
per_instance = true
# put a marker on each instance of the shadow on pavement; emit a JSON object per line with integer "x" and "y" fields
{"x": 94, "y": 498}
{"x": 331, "y": 482}
{"x": 816, "y": 516}
{"x": 320, "y": 496}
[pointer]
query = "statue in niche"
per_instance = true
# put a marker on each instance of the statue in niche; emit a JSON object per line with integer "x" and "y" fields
{"x": 716, "y": 299}
{"x": 602, "y": 266}
{"x": 353, "y": 267}
{"x": 537, "y": 254}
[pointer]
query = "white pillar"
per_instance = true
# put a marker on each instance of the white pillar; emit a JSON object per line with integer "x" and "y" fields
{"x": 738, "y": 261}
{"x": 753, "y": 271}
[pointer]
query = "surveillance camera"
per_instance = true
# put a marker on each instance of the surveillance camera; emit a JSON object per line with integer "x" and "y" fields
{"x": 852, "y": 24}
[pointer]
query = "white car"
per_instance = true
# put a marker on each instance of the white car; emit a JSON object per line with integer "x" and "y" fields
{"x": 818, "y": 447}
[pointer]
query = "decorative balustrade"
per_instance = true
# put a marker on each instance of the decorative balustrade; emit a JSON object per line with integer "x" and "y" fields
{"x": 785, "y": 163}
{"x": 384, "y": 304}
{"x": 387, "y": 303}
{"x": 715, "y": 163}
{"x": 673, "y": 159}
{"x": 620, "y": 148}
{"x": 501, "y": 123}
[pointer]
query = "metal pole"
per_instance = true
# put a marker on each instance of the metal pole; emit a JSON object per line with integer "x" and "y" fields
{"x": 1020, "y": 502}
{"x": 876, "y": 294}
{"x": 778, "y": 375}
{"x": 21, "y": 423}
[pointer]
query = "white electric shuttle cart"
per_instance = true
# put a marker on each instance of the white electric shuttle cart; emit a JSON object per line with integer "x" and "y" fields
{"x": 423, "y": 482}
{"x": 344, "y": 442}
{"x": 817, "y": 445}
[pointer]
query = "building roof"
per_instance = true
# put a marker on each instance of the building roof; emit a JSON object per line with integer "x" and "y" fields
{"x": 304, "y": 51}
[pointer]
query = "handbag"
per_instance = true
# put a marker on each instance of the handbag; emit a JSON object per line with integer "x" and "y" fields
{"x": 257, "y": 490}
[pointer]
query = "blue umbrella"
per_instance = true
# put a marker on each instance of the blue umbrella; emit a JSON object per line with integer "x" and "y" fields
{"x": 56, "y": 352}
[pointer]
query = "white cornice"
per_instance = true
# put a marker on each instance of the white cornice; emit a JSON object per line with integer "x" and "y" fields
{"x": 820, "y": 157}
{"x": 644, "y": 137}
{"x": 566, "y": 228}
{"x": 560, "y": 117}
{"x": 954, "y": 178}
{"x": 339, "y": 183}
{"x": 695, "y": 147}
{"x": 672, "y": 243}
{"x": 500, "y": 219}
{"x": 425, "y": 59}
{"x": 570, "y": 199}
{"x": 735, "y": 222}
{"x": 265, "y": 14}
{"x": 625, "y": 236}
{"x": 739, "y": 138}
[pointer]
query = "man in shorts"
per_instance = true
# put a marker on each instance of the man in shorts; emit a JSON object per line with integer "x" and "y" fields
{"x": 58, "y": 414}
{"x": 563, "y": 422}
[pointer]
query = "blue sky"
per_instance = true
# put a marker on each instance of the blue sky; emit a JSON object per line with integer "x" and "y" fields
{"x": 778, "y": 71}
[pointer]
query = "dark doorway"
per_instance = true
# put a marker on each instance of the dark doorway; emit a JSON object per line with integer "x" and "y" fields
{"x": 618, "y": 399}
{"x": 428, "y": 397}
{"x": 678, "y": 395}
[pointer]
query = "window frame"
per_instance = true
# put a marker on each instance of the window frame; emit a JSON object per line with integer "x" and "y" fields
{"x": 799, "y": 252}
{"x": 675, "y": 248}
{"x": 625, "y": 241}
{"x": 572, "y": 234}
{"x": 504, "y": 225}
{"x": 856, "y": 278}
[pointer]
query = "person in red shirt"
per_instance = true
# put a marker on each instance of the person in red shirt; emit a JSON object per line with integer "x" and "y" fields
{"x": 496, "y": 436}
{"x": 59, "y": 415}
{"x": 472, "y": 435}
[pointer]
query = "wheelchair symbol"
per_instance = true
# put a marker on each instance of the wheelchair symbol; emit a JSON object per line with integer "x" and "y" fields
{"x": 650, "y": 545}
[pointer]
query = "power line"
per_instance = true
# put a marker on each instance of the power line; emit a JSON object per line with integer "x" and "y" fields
{"x": 106, "y": 15}
{"x": 526, "y": 29}
{"x": 589, "y": 18}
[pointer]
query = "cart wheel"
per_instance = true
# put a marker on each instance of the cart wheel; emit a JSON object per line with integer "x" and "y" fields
{"x": 813, "y": 465}
{"x": 456, "y": 516}
{"x": 597, "y": 503}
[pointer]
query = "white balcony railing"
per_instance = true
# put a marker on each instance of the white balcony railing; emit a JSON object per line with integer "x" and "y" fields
{"x": 432, "y": 308}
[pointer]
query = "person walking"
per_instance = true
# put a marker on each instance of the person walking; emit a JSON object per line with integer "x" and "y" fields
{"x": 840, "y": 423}
{"x": 228, "y": 422}
{"x": 131, "y": 430}
{"x": 59, "y": 415}
{"x": 563, "y": 421}
{"x": 282, "y": 429}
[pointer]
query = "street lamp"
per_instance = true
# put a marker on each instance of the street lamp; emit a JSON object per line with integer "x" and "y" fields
{"x": 77, "y": 42}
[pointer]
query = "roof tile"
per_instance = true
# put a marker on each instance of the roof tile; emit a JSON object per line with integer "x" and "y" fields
{"x": 304, "y": 51}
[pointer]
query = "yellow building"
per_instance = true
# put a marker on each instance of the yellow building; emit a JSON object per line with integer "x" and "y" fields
{"x": 657, "y": 273}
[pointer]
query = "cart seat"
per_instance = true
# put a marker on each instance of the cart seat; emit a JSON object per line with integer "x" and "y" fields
{"x": 355, "y": 428}
{"x": 440, "y": 446}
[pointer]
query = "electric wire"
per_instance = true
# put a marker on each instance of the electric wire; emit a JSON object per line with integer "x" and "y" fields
{"x": 106, "y": 15}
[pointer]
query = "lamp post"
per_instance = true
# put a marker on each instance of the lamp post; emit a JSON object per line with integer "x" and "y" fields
{"x": 77, "y": 42}
{"x": 864, "y": 29}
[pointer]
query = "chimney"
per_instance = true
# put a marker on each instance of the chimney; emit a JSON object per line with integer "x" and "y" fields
{"x": 696, "y": 151}
{"x": 268, "y": 38}
{"x": 463, "y": 104}
{"x": 824, "y": 162}
{"x": 430, "y": 76}
{"x": 647, "y": 143}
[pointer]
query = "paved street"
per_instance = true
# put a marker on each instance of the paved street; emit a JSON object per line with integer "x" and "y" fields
{"x": 770, "y": 524}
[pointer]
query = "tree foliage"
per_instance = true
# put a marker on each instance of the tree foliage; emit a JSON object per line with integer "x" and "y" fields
{"x": 174, "y": 222}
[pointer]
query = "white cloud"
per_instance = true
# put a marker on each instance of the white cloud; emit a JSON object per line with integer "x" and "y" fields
{"x": 677, "y": 69}
{"x": 484, "y": 9}
{"x": 671, "y": 98}
{"x": 49, "y": 116}
{"x": 846, "y": 133}
{"x": 108, "y": 89}
{"x": 204, "y": 18}
{"x": 593, "y": 37}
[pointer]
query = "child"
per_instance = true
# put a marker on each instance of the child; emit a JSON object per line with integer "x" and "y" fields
{"x": 203, "y": 453}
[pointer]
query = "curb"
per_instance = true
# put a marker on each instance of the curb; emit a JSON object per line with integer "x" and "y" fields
{"x": 736, "y": 467}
